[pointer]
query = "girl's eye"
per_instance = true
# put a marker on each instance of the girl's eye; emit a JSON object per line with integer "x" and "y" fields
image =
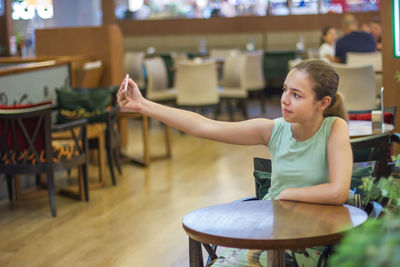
{"x": 283, "y": 89}
{"x": 296, "y": 95}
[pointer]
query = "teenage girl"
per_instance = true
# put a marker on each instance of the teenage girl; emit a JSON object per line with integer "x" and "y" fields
{"x": 309, "y": 145}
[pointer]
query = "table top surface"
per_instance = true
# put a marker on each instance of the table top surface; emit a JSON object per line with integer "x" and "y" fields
{"x": 271, "y": 224}
{"x": 364, "y": 128}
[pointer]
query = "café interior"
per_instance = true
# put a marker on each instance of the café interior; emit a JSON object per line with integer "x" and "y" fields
{"x": 86, "y": 182}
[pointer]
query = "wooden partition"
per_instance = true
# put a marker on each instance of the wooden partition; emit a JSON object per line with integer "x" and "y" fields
{"x": 391, "y": 65}
{"x": 104, "y": 43}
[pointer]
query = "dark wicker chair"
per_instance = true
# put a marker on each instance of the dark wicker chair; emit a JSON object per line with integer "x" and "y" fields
{"x": 27, "y": 147}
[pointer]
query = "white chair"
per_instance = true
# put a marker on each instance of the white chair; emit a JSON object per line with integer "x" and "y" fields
{"x": 357, "y": 84}
{"x": 374, "y": 59}
{"x": 134, "y": 67}
{"x": 197, "y": 84}
{"x": 254, "y": 75}
{"x": 234, "y": 85}
{"x": 157, "y": 81}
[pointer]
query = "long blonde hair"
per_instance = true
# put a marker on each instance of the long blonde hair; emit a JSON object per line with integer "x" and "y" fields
{"x": 325, "y": 82}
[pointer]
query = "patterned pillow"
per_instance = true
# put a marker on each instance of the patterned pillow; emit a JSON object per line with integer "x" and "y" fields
{"x": 89, "y": 104}
{"x": 62, "y": 150}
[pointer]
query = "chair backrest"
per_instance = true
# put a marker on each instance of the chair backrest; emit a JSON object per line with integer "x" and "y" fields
{"x": 373, "y": 58}
{"x": 197, "y": 83}
{"x": 358, "y": 86}
{"x": 373, "y": 148}
{"x": 254, "y": 70}
{"x": 134, "y": 66}
{"x": 262, "y": 176}
{"x": 234, "y": 71}
{"x": 89, "y": 75}
{"x": 25, "y": 136}
{"x": 157, "y": 76}
{"x": 276, "y": 63}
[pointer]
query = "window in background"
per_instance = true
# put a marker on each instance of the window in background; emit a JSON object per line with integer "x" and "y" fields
{"x": 304, "y": 7}
{"x": 1, "y": 7}
{"x": 340, "y": 6}
{"x": 161, "y": 9}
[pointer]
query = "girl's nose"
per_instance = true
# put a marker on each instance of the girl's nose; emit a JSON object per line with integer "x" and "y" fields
{"x": 284, "y": 98}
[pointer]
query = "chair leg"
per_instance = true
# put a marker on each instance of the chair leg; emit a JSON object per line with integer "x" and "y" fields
{"x": 110, "y": 159}
{"x": 85, "y": 181}
{"x": 244, "y": 108}
{"x": 146, "y": 149}
{"x": 230, "y": 109}
{"x": 50, "y": 188}
{"x": 116, "y": 153}
{"x": 168, "y": 140}
{"x": 10, "y": 187}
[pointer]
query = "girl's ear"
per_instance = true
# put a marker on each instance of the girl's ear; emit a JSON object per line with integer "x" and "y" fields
{"x": 325, "y": 102}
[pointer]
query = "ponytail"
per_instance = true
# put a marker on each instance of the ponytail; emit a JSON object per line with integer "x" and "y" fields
{"x": 337, "y": 108}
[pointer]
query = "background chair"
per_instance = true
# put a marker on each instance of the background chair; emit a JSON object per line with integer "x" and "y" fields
{"x": 157, "y": 81}
{"x": 92, "y": 104}
{"x": 276, "y": 66}
{"x": 197, "y": 84}
{"x": 358, "y": 86}
{"x": 255, "y": 81}
{"x": 27, "y": 147}
{"x": 374, "y": 59}
{"x": 89, "y": 75}
{"x": 134, "y": 64}
{"x": 233, "y": 87}
{"x": 373, "y": 148}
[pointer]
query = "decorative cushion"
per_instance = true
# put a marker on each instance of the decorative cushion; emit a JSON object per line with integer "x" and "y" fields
{"x": 387, "y": 117}
{"x": 29, "y": 123}
{"x": 90, "y": 104}
{"x": 62, "y": 150}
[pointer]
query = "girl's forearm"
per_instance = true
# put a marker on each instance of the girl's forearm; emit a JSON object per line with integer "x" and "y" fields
{"x": 186, "y": 121}
{"x": 322, "y": 193}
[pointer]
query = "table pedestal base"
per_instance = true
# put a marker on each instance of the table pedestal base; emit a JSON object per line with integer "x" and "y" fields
{"x": 276, "y": 258}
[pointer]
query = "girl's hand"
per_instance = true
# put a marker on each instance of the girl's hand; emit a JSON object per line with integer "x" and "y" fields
{"x": 130, "y": 99}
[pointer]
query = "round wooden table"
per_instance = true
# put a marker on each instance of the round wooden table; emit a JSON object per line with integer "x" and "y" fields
{"x": 364, "y": 128}
{"x": 268, "y": 225}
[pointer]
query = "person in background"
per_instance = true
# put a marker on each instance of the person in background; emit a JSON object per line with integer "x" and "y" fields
{"x": 327, "y": 48}
{"x": 309, "y": 145}
{"x": 376, "y": 31}
{"x": 365, "y": 27}
{"x": 353, "y": 40}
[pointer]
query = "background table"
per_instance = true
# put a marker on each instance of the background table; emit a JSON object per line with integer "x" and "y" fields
{"x": 268, "y": 225}
{"x": 364, "y": 128}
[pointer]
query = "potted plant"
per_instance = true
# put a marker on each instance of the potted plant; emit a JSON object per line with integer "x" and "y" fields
{"x": 377, "y": 241}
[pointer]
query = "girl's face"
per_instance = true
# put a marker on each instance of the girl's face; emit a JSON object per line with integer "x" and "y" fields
{"x": 330, "y": 36}
{"x": 298, "y": 101}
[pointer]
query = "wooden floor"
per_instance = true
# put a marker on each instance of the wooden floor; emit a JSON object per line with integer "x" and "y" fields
{"x": 137, "y": 222}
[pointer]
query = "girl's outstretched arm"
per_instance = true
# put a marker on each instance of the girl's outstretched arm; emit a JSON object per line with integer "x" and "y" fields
{"x": 249, "y": 132}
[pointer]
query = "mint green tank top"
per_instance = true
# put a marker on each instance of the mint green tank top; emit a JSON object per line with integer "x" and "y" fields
{"x": 298, "y": 164}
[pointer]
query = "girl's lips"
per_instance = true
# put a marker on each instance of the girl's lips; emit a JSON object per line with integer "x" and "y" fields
{"x": 286, "y": 111}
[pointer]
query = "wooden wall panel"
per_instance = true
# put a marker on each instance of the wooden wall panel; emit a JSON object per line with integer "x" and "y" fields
{"x": 6, "y": 28}
{"x": 105, "y": 43}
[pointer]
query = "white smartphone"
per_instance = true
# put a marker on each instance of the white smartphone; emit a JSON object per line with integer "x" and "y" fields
{"x": 126, "y": 84}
